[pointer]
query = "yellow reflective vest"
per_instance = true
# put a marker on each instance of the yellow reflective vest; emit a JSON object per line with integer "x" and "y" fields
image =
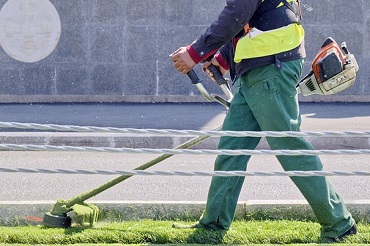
{"x": 257, "y": 43}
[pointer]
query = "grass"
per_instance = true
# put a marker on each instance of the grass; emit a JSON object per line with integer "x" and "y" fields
{"x": 161, "y": 232}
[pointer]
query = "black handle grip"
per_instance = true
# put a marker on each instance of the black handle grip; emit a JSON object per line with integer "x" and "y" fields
{"x": 194, "y": 77}
{"x": 217, "y": 75}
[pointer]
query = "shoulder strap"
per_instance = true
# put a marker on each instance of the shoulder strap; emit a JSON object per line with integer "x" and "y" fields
{"x": 289, "y": 6}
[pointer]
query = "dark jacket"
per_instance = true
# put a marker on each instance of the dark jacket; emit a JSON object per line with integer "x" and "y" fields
{"x": 229, "y": 27}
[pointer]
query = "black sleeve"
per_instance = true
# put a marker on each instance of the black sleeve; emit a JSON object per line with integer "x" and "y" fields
{"x": 235, "y": 15}
{"x": 227, "y": 52}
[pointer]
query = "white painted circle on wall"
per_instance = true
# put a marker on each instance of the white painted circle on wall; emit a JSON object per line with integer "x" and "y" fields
{"x": 29, "y": 29}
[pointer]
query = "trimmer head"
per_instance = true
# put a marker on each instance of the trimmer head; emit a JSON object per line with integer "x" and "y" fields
{"x": 64, "y": 212}
{"x": 60, "y": 221}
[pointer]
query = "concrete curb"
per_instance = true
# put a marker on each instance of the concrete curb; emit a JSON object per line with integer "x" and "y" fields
{"x": 146, "y": 141}
{"x": 13, "y": 213}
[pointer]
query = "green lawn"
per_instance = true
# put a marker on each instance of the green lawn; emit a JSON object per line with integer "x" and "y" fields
{"x": 161, "y": 232}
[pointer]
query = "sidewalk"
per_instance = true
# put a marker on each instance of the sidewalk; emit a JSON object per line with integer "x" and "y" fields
{"x": 338, "y": 117}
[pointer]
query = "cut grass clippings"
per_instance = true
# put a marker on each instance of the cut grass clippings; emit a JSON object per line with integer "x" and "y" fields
{"x": 161, "y": 232}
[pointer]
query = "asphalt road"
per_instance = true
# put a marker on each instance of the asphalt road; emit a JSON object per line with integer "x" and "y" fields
{"x": 43, "y": 187}
{"x": 125, "y": 115}
{"x": 316, "y": 116}
{"x": 50, "y": 187}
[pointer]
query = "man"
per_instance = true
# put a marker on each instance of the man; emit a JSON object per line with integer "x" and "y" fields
{"x": 261, "y": 43}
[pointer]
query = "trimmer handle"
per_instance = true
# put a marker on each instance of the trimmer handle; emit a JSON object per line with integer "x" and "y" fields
{"x": 223, "y": 85}
{"x": 194, "y": 77}
{"x": 221, "y": 81}
{"x": 217, "y": 75}
{"x": 198, "y": 83}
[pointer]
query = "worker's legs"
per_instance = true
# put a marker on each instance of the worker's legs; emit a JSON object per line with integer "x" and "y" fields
{"x": 276, "y": 109}
{"x": 224, "y": 191}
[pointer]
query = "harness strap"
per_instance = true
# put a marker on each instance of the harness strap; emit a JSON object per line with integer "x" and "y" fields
{"x": 289, "y": 6}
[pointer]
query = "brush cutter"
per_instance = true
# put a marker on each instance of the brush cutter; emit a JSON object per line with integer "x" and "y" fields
{"x": 63, "y": 211}
{"x": 331, "y": 73}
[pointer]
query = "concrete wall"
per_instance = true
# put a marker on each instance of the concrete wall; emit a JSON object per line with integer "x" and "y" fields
{"x": 117, "y": 50}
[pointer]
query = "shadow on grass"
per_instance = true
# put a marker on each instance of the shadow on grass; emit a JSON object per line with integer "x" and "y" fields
{"x": 74, "y": 230}
{"x": 204, "y": 236}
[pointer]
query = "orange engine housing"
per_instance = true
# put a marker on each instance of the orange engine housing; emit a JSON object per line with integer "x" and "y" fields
{"x": 329, "y": 61}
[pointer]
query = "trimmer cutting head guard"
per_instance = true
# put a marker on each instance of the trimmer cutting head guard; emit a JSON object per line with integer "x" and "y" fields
{"x": 64, "y": 213}
{"x": 58, "y": 221}
{"x": 332, "y": 71}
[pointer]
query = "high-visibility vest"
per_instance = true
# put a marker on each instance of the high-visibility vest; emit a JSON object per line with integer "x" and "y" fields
{"x": 256, "y": 43}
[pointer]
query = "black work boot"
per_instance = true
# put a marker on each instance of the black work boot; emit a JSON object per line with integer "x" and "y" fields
{"x": 351, "y": 231}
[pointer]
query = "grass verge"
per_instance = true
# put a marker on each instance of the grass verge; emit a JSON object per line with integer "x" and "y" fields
{"x": 161, "y": 232}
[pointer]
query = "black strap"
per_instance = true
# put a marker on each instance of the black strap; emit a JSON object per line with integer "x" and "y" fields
{"x": 285, "y": 15}
{"x": 278, "y": 64}
{"x": 289, "y": 6}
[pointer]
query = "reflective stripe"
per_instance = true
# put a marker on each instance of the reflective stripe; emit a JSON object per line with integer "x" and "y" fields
{"x": 258, "y": 43}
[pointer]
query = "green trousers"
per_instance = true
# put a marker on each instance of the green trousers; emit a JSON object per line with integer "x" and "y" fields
{"x": 266, "y": 100}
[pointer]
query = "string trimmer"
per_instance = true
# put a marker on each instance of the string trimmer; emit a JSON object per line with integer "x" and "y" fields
{"x": 84, "y": 213}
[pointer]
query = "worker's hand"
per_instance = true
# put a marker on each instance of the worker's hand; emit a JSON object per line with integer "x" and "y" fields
{"x": 182, "y": 60}
{"x": 205, "y": 66}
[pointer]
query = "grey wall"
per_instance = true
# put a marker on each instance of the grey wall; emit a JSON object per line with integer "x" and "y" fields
{"x": 117, "y": 50}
